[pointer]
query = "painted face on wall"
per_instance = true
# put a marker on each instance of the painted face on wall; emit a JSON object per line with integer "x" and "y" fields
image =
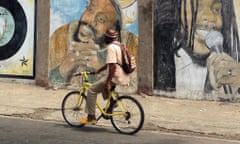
{"x": 99, "y": 16}
{"x": 208, "y": 18}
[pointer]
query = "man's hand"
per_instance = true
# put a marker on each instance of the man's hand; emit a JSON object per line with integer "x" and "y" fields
{"x": 100, "y": 69}
{"x": 223, "y": 69}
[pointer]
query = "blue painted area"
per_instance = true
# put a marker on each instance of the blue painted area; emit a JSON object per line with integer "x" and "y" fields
{"x": 133, "y": 27}
{"x": 71, "y": 10}
{"x": 68, "y": 10}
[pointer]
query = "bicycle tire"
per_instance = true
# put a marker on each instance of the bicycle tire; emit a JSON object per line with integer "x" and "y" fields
{"x": 71, "y": 111}
{"x": 128, "y": 124}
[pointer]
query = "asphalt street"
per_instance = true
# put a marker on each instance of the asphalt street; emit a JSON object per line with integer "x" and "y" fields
{"x": 190, "y": 117}
{"x": 21, "y": 131}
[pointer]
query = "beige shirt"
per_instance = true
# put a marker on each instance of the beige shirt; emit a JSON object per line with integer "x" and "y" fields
{"x": 114, "y": 56}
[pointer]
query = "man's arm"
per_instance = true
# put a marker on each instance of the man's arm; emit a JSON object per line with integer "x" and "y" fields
{"x": 111, "y": 71}
{"x": 101, "y": 69}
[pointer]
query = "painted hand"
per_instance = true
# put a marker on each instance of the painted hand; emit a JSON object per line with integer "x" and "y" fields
{"x": 223, "y": 69}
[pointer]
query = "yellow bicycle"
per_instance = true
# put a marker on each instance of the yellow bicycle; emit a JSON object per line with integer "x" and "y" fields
{"x": 125, "y": 112}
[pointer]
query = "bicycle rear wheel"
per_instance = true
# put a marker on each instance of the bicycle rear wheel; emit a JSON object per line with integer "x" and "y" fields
{"x": 133, "y": 121}
{"x": 73, "y": 108}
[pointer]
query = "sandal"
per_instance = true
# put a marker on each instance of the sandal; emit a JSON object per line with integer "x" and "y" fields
{"x": 89, "y": 120}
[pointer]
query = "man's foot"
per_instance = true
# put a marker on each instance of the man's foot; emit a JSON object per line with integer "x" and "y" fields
{"x": 91, "y": 119}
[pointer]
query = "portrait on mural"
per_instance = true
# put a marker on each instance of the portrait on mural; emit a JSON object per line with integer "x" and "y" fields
{"x": 17, "y": 25}
{"x": 77, "y": 35}
{"x": 202, "y": 48}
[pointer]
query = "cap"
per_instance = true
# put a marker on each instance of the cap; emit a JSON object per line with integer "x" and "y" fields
{"x": 111, "y": 33}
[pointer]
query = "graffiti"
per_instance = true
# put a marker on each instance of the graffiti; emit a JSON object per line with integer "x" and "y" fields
{"x": 181, "y": 51}
{"x": 24, "y": 61}
{"x": 77, "y": 40}
{"x": 17, "y": 38}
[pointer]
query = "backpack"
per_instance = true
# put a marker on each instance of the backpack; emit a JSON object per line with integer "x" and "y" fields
{"x": 128, "y": 60}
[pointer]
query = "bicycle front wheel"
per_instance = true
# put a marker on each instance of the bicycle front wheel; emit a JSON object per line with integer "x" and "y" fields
{"x": 133, "y": 120}
{"x": 73, "y": 108}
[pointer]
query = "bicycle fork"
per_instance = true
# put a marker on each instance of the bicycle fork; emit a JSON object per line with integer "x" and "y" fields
{"x": 79, "y": 101}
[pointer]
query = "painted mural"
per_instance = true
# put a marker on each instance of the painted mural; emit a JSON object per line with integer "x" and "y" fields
{"x": 17, "y": 33}
{"x": 77, "y": 34}
{"x": 197, "y": 49}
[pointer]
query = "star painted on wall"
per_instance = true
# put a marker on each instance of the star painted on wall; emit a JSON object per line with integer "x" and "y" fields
{"x": 24, "y": 61}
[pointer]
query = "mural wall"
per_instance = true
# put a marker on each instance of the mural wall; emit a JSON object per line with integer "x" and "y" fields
{"x": 17, "y": 38}
{"x": 77, "y": 34}
{"x": 197, "y": 48}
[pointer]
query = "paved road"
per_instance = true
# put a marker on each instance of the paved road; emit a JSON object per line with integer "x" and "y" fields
{"x": 220, "y": 119}
{"x": 21, "y": 131}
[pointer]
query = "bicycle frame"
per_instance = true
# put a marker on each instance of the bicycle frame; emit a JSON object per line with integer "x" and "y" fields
{"x": 125, "y": 112}
{"x": 113, "y": 94}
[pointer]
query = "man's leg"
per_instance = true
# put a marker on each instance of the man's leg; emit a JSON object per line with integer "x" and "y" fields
{"x": 93, "y": 90}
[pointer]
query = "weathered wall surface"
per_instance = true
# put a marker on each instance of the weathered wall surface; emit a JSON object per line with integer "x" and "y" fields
{"x": 173, "y": 57}
{"x": 17, "y": 38}
{"x": 77, "y": 36}
{"x": 196, "y": 49}
{"x": 42, "y": 52}
{"x": 145, "y": 67}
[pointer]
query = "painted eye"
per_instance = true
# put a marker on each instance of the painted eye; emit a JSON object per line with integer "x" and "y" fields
{"x": 101, "y": 18}
{"x": 217, "y": 11}
{"x": 217, "y": 7}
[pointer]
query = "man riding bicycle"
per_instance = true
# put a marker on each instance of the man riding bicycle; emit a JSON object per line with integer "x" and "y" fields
{"x": 115, "y": 76}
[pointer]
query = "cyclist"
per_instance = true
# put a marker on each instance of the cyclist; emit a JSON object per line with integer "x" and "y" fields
{"x": 115, "y": 76}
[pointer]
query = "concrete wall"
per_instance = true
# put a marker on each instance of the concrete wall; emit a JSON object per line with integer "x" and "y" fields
{"x": 42, "y": 51}
{"x": 17, "y": 22}
{"x": 75, "y": 48}
{"x": 145, "y": 53}
{"x": 185, "y": 60}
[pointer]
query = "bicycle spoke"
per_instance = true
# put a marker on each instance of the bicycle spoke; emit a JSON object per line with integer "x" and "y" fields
{"x": 72, "y": 109}
{"x": 132, "y": 121}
